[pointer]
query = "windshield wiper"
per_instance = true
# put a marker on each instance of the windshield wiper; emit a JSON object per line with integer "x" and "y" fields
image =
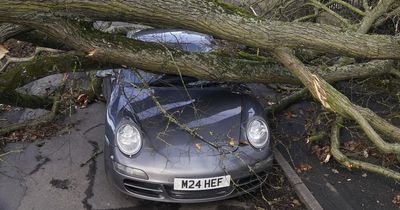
{"x": 168, "y": 80}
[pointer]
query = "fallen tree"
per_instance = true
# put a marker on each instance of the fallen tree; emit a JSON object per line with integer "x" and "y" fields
{"x": 71, "y": 23}
{"x": 158, "y": 58}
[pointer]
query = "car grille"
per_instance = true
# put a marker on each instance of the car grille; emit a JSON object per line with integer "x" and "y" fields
{"x": 201, "y": 194}
{"x": 143, "y": 188}
{"x": 250, "y": 182}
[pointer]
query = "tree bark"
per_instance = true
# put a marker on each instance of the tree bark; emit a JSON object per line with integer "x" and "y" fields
{"x": 213, "y": 17}
{"x": 40, "y": 67}
{"x": 41, "y": 39}
{"x": 373, "y": 15}
{"x": 9, "y": 30}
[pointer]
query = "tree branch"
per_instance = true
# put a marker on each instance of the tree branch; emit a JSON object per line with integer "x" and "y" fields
{"x": 380, "y": 124}
{"x": 319, "y": 5}
{"x": 350, "y": 7}
{"x": 55, "y": 104}
{"x": 351, "y": 163}
{"x": 384, "y": 18}
{"x": 39, "y": 67}
{"x": 374, "y": 14}
{"x": 332, "y": 99}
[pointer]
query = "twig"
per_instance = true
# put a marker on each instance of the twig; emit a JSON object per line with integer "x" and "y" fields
{"x": 350, "y": 7}
{"x": 180, "y": 74}
{"x": 304, "y": 18}
{"x": 94, "y": 155}
{"x": 287, "y": 102}
{"x": 322, "y": 6}
{"x": 316, "y": 137}
{"x": 382, "y": 19}
{"x": 373, "y": 15}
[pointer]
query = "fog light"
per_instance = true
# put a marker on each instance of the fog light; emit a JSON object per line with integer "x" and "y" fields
{"x": 133, "y": 172}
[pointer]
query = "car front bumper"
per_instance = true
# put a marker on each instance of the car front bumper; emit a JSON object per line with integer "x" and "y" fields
{"x": 159, "y": 184}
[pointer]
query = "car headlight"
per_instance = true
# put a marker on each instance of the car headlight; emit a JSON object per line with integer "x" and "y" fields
{"x": 129, "y": 139}
{"x": 257, "y": 132}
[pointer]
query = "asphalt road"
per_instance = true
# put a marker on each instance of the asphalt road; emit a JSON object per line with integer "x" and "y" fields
{"x": 47, "y": 174}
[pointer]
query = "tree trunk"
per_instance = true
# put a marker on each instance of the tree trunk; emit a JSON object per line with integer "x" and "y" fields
{"x": 9, "y": 30}
{"x": 213, "y": 17}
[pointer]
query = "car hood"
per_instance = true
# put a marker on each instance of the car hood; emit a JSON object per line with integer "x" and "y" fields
{"x": 214, "y": 114}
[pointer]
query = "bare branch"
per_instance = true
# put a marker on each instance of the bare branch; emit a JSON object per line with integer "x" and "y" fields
{"x": 366, "y": 5}
{"x": 384, "y": 18}
{"x": 288, "y": 101}
{"x": 349, "y": 6}
{"x": 322, "y": 6}
{"x": 351, "y": 163}
{"x": 374, "y": 14}
{"x": 332, "y": 99}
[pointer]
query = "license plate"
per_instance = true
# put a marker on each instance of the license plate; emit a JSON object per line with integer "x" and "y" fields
{"x": 202, "y": 184}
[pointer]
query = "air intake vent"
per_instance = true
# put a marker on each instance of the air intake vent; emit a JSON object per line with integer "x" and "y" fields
{"x": 142, "y": 188}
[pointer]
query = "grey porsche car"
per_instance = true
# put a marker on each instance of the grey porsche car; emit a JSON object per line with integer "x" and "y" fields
{"x": 222, "y": 151}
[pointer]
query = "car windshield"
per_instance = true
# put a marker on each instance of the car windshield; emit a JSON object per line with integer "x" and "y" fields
{"x": 128, "y": 76}
{"x": 159, "y": 80}
{"x": 173, "y": 80}
{"x": 152, "y": 79}
{"x": 184, "y": 40}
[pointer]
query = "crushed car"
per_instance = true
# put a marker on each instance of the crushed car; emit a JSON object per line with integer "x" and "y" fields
{"x": 213, "y": 144}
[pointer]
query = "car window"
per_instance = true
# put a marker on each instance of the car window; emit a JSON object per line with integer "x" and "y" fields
{"x": 179, "y": 39}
